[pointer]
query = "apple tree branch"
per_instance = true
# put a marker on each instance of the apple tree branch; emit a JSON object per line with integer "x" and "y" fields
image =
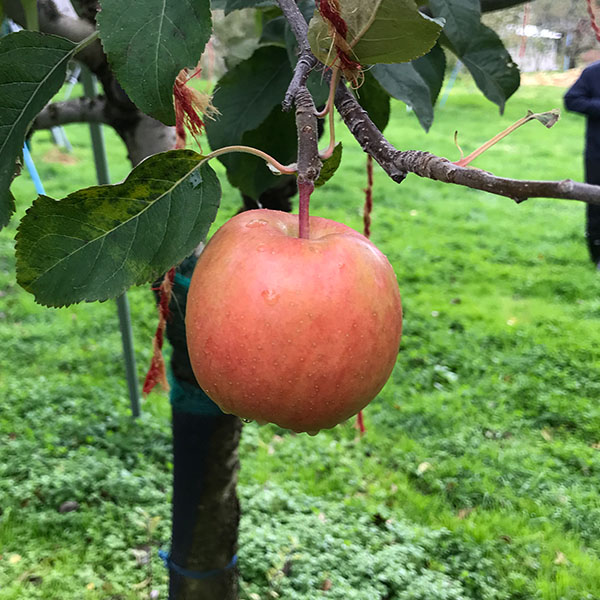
{"x": 397, "y": 163}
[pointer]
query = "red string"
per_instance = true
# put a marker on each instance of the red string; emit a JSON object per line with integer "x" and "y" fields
{"x": 157, "y": 373}
{"x": 523, "y": 36}
{"x": 330, "y": 11}
{"x": 595, "y": 27}
{"x": 360, "y": 421}
{"x": 368, "y": 198}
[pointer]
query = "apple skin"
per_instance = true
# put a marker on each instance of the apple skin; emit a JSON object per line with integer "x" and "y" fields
{"x": 303, "y": 333}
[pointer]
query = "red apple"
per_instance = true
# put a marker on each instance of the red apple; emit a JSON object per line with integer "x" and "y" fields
{"x": 299, "y": 332}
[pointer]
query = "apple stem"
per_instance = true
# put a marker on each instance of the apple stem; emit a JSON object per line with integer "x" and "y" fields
{"x": 305, "y": 189}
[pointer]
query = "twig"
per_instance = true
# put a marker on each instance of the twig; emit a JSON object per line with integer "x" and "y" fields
{"x": 435, "y": 167}
{"x": 309, "y": 164}
{"x": 306, "y": 63}
{"x": 306, "y": 60}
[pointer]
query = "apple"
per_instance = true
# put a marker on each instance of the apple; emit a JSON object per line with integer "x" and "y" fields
{"x": 303, "y": 333}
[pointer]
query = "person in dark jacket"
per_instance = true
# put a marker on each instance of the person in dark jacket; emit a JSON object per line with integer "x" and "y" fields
{"x": 584, "y": 98}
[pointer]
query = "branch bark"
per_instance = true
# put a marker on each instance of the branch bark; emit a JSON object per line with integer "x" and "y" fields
{"x": 309, "y": 163}
{"x": 77, "y": 110}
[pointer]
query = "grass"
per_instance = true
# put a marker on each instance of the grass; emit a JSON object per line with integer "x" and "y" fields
{"x": 478, "y": 475}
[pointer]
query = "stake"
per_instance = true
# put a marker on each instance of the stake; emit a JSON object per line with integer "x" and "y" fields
{"x": 90, "y": 90}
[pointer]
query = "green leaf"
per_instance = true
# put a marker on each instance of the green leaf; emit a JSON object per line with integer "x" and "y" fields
{"x": 462, "y": 19}
{"x": 379, "y": 31}
{"x": 96, "y": 242}
{"x": 148, "y": 43}
{"x": 375, "y": 100}
{"x": 32, "y": 69}
{"x": 276, "y": 135}
{"x": 405, "y": 83}
{"x": 490, "y": 65}
{"x": 432, "y": 68}
{"x": 246, "y": 95}
{"x": 273, "y": 31}
{"x": 330, "y": 166}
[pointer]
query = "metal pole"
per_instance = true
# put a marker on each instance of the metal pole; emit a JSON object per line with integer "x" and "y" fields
{"x": 100, "y": 160}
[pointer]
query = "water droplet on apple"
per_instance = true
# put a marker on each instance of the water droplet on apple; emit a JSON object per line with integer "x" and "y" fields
{"x": 341, "y": 265}
{"x": 230, "y": 382}
{"x": 270, "y": 297}
{"x": 256, "y": 223}
{"x": 247, "y": 420}
{"x": 354, "y": 325}
{"x": 312, "y": 433}
{"x": 261, "y": 248}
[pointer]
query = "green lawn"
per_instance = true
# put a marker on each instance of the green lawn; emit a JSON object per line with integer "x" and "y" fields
{"x": 478, "y": 475}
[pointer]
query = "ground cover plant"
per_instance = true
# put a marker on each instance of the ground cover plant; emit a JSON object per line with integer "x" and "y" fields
{"x": 478, "y": 475}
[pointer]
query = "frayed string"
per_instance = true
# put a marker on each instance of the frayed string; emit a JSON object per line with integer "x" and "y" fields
{"x": 189, "y": 105}
{"x": 338, "y": 29}
{"x": 157, "y": 373}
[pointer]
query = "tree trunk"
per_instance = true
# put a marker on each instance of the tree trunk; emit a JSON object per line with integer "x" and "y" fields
{"x": 205, "y": 506}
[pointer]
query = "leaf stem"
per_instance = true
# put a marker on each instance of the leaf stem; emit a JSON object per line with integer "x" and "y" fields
{"x": 335, "y": 77}
{"x": 325, "y": 154}
{"x": 548, "y": 119}
{"x": 85, "y": 42}
{"x": 274, "y": 164}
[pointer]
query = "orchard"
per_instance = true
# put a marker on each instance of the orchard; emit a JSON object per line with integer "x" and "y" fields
{"x": 290, "y": 318}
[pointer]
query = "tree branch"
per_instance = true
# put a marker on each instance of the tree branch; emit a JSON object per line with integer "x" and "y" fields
{"x": 306, "y": 60}
{"x": 398, "y": 163}
{"x": 309, "y": 163}
{"x": 434, "y": 167}
{"x": 76, "y": 110}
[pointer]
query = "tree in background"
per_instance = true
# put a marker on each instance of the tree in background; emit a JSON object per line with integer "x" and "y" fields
{"x": 569, "y": 18}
